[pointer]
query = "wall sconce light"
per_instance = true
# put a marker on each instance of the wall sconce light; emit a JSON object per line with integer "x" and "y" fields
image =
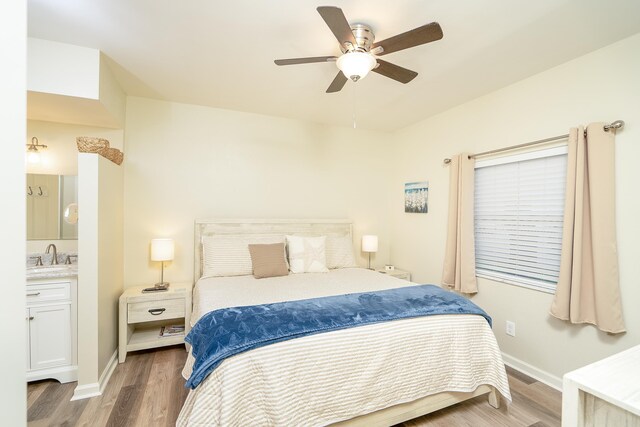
{"x": 33, "y": 155}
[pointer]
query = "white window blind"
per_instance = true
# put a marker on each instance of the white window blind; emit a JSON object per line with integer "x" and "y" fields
{"x": 519, "y": 204}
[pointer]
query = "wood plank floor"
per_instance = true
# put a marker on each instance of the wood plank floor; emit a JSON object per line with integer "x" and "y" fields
{"x": 147, "y": 390}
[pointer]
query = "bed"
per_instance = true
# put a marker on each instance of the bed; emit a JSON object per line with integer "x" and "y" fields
{"x": 377, "y": 374}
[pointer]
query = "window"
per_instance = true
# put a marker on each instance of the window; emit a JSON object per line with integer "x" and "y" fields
{"x": 519, "y": 204}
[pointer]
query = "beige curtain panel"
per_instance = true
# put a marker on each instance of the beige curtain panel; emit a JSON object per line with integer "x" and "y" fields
{"x": 459, "y": 271}
{"x": 588, "y": 289}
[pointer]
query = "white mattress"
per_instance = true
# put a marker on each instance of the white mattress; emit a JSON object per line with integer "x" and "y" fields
{"x": 212, "y": 293}
{"x": 330, "y": 377}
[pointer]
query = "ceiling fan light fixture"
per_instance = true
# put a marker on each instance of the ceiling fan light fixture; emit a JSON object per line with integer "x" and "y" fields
{"x": 356, "y": 65}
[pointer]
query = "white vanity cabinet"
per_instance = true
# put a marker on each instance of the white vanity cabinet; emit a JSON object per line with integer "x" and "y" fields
{"x": 51, "y": 327}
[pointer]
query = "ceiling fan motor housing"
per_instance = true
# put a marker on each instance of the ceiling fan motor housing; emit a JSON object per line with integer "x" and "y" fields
{"x": 364, "y": 37}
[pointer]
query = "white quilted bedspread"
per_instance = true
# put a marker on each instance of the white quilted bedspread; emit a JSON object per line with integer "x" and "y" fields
{"x": 330, "y": 377}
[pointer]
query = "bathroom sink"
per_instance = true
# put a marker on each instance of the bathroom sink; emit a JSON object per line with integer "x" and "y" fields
{"x": 51, "y": 269}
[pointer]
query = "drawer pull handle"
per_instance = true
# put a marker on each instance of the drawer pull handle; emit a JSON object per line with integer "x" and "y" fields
{"x": 30, "y": 318}
{"x": 157, "y": 311}
{"x": 33, "y": 294}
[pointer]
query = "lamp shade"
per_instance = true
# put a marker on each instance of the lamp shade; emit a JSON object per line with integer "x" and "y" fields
{"x": 369, "y": 243}
{"x": 356, "y": 65}
{"x": 162, "y": 249}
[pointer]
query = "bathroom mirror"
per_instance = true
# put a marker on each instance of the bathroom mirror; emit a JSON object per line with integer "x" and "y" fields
{"x": 52, "y": 207}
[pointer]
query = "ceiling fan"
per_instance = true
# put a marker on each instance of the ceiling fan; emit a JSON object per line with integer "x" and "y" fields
{"x": 360, "y": 53}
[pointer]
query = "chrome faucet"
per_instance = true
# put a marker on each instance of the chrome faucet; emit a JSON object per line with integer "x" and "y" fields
{"x": 54, "y": 259}
{"x": 38, "y": 259}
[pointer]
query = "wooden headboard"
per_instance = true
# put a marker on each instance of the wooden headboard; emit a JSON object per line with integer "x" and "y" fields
{"x": 262, "y": 227}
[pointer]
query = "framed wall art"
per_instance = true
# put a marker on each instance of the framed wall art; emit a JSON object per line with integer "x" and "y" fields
{"x": 416, "y": 197}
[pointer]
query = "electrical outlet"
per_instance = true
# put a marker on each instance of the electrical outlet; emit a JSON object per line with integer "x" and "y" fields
{"x": 511, "y": 328}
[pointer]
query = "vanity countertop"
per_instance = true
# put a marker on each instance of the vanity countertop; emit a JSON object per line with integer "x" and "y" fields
{"x": 52, "y": 272}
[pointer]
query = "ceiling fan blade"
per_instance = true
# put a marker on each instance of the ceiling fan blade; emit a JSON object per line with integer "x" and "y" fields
{"x": 338, "y": 83}
{"x": 394, "y": 72}
{"x": 294, "y": 61}
{"x": 421, "y": 35}
{"x": 338, "y": 24}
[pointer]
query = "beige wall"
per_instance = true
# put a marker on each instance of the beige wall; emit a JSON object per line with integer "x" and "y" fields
{"x": 184, "y": 162}
{"x": 110, "y": 257}
{"x": 12, "y": 251}
{"x": 112, "y": 96}
{"x": 600, "y": 86}
{"x": 100, "y": 269}
{"x": 88, "y": 273}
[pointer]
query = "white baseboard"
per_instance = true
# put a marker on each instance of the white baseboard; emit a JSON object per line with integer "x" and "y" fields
{"x": 535, "y": 373}
{"x": 96, "y": 389}
{"x": 86, "y": 391}
{"x": 108, "y": 370}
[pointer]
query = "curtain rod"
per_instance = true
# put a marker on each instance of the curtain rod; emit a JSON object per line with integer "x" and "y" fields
{"x": 618, "y": 124}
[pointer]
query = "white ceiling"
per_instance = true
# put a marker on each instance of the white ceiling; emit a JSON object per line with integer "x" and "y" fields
{"x": 220, "y": 54}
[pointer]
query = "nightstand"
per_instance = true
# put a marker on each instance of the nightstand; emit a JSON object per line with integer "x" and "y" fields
{"x": 143, "y": 314}
{"x": 400, "y": 274}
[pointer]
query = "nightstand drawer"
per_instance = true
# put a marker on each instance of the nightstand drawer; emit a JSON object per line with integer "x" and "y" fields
{"x": 139, "y": 312}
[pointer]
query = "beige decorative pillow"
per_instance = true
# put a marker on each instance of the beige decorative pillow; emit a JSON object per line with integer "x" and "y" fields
{"x": 268, "y": 260}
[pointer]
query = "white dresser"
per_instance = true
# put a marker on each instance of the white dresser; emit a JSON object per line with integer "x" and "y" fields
{"x": 605, "y": 393}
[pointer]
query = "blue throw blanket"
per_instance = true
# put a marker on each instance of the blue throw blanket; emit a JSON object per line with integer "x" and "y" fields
{"x": 226, "y": 332}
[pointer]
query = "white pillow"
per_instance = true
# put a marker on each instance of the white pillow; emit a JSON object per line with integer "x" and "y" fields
{"x": 229, "y": 255}
{"x": 339, "y": 251}
{"x": 307, "y": 254}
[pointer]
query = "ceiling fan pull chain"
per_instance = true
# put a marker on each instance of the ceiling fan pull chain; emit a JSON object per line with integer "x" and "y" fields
{"x": 353, "y": 96}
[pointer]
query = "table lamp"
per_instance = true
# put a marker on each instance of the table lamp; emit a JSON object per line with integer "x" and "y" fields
{"x": 162, "y": 250}
{"x": 369, "y": 244}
